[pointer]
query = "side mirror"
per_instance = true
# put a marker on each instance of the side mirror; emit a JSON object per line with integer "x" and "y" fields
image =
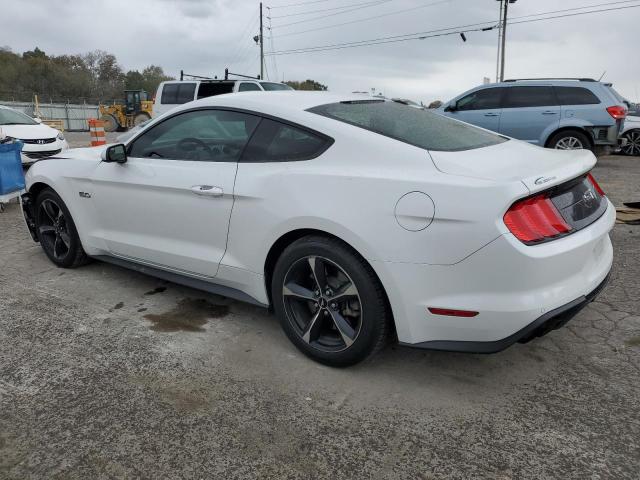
{"x": 115, "y": 154}
{"x": 452, "y": 107}
{"x": 37, "y": 120}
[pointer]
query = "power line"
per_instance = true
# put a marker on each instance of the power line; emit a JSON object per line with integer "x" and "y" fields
{"x": 351, "y": 9}
{"x": 325, "y": 10}
{"x": 298, "y": 4}
{"x": 433, "y": 33}
{"x": 363, "y": 19}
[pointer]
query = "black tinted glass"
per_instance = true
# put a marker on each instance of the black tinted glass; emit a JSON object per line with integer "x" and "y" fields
{"x": 518, "y": 97}
{"x": 278, "y": 142}
{"x": 177, "y": 93}
{"x": 485, "y": 99}
{"x": 415, "y": 126}
{"x": 576, "y": 96}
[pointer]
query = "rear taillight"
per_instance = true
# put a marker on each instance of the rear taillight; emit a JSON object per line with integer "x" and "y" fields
{"x": 595, "y": 185}
{"x": 535, "y": 220}
{"x": 617, "y": 112}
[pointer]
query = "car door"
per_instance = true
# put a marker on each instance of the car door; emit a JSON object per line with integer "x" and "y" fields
{"x": 481, "y": 108}
{"x": 530, "y": 113}
{"x": 169, "y": 204}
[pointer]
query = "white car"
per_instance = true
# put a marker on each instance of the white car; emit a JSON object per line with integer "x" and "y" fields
{"x": 356, "y": 220}
{"x": 40, "y": 140}
{"x": 631, "y": 132}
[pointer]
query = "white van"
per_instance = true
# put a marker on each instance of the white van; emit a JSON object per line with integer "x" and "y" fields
{"x": 177, "y": 92}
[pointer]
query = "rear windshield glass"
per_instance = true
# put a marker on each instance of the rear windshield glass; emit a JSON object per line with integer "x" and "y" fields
{"x": 619, "y": 97}
{"x": 414, "y": 126}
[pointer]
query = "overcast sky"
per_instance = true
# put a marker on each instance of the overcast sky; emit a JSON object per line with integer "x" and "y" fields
{"x": 204, "y": 36}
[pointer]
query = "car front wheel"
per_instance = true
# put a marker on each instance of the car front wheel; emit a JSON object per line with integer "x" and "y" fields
{"x": 57, "y": 231}
{"x": 330, "y": 302}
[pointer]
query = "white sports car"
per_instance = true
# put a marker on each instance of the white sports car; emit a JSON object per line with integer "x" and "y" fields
{"x": 356, "y": 220}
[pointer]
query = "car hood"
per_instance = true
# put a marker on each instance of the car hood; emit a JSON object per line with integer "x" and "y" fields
{"x": 29, "y": 132}
{"x": 85, "y": 153}
{"x": 538, "y": 168}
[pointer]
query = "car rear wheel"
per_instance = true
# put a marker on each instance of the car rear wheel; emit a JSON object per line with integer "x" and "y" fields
{"x": 570, "y": 140}
{"x": 329, "y": 301}
{"x": 57, "y": 231}
{"x": 633, "y": 143}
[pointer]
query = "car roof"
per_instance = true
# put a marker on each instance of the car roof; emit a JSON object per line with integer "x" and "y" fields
{"x": 284, "y": 103}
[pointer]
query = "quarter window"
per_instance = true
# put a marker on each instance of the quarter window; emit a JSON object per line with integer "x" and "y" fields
{"x": 520, "y": 97}
{"x": 202, "y": 135}
{"x": 486, "y": 99}
{"x": 279, "y": 142}
{"x": 576, "y": 96}
{"x": 177, "y": 93}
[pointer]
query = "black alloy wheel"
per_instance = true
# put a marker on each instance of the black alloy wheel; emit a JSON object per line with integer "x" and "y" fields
{"x": 57, "y": 231}
{"x": 330, "y": 302}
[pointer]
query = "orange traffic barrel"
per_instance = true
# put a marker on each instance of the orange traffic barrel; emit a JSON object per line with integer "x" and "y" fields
{"x": 96, "y": 130}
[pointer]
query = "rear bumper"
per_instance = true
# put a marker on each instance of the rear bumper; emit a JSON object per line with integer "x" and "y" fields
{"x": 541, "y": 326}
{"x": 514, "y": 287}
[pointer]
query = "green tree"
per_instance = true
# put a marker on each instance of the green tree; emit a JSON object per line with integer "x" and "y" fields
{"x": 306, "y": 85}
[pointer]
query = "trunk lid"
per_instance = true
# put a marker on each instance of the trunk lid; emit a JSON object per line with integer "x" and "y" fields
{"x": 537, "y": 168}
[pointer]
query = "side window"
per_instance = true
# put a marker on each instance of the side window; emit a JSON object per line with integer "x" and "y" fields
{"x": 201, "y": 135}
{"x": 486, "y": 99}
{"x": 518, "y": 97}
{"x": 249, "y": 87}
{"x": 576, "y": 96}
{"x": 278, "y": 142}
{"x": 177, "y": 93}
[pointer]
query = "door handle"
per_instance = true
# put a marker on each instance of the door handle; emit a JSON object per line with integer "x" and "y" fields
{"x": 549, "y": 112}
{"x": 207, "y": 190}
{"x": 491, "y": 114}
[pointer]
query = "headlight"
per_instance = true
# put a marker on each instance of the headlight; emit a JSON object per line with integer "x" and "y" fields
{"x": 60, "y": 136}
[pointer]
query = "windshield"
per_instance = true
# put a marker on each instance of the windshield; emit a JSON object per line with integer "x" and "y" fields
{"x": 418, "y": 127}
{"x": 12, "y": 117}
{"x": 270, "y": 86}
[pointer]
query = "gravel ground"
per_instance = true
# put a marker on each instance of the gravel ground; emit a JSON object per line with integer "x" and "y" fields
{"x": 101, "y": 377}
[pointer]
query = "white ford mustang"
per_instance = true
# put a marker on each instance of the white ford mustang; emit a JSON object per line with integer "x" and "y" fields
{"x": 354, "y": 219}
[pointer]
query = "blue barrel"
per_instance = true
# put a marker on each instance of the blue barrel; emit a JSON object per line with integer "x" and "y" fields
{"x": 11, "y": 173}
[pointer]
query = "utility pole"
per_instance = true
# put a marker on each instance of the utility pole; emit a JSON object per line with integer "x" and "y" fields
{"x": 261, "y": 45}
{"x": 499, "y": 42}
{"x": 504, "y": 9}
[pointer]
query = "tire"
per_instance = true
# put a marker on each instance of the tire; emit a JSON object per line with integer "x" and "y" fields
{"x": 633, "y": 143}
{"x": 570, "y": 140}
{"x": 349, "y": 321}
{"x": 110, "y": 123}
{"x": 57, "y": 232}
{"x": 140, "y": 118}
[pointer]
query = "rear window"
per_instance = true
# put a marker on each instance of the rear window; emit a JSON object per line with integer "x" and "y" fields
{"x": 249, "y": 87}
{"x": 271, "y": 86}
{"x": 521, "y": 97}
{"x": 177, "y": 93}
{"x": 418, "y": 127}
{"x": 576, "y": 96}
{"x": 613, "y": 91}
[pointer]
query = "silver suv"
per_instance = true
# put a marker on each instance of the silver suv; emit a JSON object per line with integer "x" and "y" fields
{"x": 554, "y": 113}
